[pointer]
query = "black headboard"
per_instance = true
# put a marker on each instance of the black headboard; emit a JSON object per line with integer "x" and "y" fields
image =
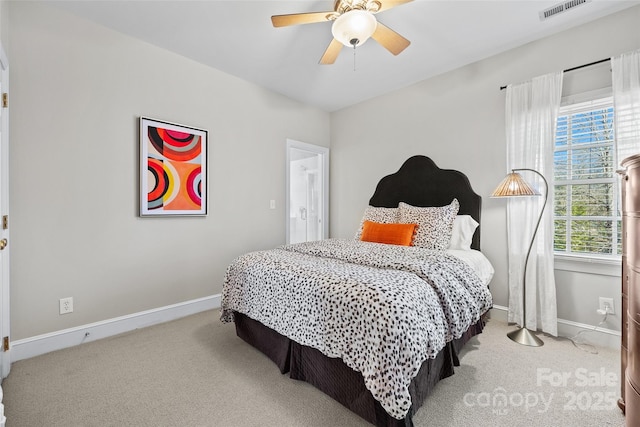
{"x": 419, "y": 182}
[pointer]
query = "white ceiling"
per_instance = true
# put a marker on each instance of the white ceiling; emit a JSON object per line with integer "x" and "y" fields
{"x": 237, "y": 37}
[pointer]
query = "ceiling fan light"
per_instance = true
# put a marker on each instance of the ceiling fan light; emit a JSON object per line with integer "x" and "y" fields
{"x": 354, "y": 27}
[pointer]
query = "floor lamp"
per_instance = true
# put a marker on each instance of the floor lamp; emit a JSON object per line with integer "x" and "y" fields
{"x": 515, "y": 186}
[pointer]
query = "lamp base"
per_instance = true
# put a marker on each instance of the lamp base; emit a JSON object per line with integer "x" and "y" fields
{"x": 525, "y": 337}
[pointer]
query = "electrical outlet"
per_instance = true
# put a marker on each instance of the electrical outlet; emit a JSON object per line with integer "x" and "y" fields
{"x": 606, "y": 305}
{"x": 66, "y": 305}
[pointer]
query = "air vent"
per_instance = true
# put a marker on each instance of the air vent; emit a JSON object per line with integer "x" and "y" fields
{"x": 560, "y": 8}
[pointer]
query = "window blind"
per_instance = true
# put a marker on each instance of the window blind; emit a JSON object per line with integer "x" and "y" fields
{"x": 586, "y": 205}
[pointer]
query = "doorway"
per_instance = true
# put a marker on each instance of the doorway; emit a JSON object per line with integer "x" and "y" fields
{"x": 307, "y": 209}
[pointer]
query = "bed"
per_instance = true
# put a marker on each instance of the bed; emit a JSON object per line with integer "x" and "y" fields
{"x": 375, "y": 326}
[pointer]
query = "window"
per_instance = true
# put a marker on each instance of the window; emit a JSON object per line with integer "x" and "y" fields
{"x": 587, "y": 219}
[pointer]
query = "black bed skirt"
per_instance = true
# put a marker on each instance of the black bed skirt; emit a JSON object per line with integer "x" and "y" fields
{"x": 336, "y": 379}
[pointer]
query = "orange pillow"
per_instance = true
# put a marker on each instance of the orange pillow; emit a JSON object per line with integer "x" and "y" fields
{"x": 391, "y": 234}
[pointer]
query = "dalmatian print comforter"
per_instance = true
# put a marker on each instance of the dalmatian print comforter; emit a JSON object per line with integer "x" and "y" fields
{"x": 383, "y": 309}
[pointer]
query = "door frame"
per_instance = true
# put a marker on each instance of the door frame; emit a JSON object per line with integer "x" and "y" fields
{"x": 323, "y": 152}
{"x": 5, "y": 317}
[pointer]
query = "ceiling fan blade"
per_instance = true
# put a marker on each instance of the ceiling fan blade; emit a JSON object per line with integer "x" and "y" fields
{"x": 388, "y": 4}
{"x": 330, "y": 55}
{"x": 389, "y": 39}
{"x": 299, "y": 18}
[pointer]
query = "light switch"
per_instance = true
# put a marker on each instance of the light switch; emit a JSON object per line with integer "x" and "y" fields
{"x": 272, "y": 204}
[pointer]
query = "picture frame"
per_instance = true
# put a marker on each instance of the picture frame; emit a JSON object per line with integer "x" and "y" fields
{"x": 173, "y": 169}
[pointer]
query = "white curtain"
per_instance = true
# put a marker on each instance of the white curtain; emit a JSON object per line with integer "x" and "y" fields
{"x": 531, "y": 112}
{"x": 626, "y": 103}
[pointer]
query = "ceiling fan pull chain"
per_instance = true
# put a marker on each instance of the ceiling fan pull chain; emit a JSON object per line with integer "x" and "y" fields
{"x": 354, "y": 57}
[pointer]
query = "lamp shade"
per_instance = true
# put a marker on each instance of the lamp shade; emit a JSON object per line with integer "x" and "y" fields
{"x": 513, "y": 186}
{"x": 354, "y": 27}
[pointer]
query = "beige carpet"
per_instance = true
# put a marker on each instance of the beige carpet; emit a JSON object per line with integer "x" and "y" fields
{"x": 196, "y": 372}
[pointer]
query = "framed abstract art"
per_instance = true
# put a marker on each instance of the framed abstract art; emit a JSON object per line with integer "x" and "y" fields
{"x": 173, "y": 169}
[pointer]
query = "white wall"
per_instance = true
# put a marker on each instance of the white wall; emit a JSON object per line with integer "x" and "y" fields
{"x": 78, "y": 90}
{"x": 4, "y": 22}
{"x": 457, "y": 119}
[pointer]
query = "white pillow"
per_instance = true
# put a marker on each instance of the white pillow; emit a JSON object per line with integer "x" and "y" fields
{"x": 380, "y": 215}
{"x": 434, "y": 224}
{"x": 462, "y": 234}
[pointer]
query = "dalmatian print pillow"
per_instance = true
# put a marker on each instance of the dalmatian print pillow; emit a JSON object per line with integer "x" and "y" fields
{"x": 435, "y": 224}
{"x": 379, "y": 215}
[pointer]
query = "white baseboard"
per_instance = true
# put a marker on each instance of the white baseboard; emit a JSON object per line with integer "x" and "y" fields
{"x": 601, "y": 337}
{"x": 41, "y": 344}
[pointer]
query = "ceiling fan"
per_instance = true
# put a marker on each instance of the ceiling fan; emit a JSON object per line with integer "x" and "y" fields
{"x": 353, "y": 23}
